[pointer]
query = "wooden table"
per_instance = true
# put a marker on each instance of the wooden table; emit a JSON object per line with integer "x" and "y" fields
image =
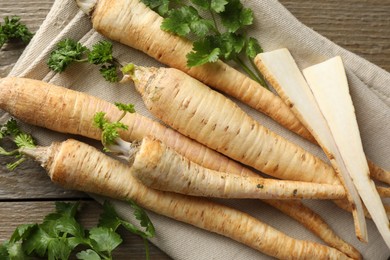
{"x": 26, "y": 195}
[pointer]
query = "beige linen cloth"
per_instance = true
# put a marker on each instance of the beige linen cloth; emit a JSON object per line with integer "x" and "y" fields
{"x": 275, "y": 27}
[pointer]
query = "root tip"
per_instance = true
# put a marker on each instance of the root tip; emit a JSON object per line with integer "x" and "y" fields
{"x": 86, "y": 6}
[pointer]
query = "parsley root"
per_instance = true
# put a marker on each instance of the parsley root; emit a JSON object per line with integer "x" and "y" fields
{"x": 72, "y": 112}
{"x": 68, "y": 111}
{"x": 162, "y": 168}
{"x": 78, "y": 166}
{"x": 193, "y": 109}
{"x": 136, "y": 25}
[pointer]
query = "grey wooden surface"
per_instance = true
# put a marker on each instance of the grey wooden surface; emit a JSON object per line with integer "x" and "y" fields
{"x": 26, "y": 195}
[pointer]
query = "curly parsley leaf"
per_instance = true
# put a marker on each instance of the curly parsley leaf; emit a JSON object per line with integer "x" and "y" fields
{"x": 14, "y": 29}
{"x": 101, "y": 53}
{"x": 66, "y": 52}
{"x": 110, "y": 130}
{"x": 109, "y": 72}
{"x": 10, "y": 127}
{"x": 129, "y": 108}
{"x": 22, "y": 139}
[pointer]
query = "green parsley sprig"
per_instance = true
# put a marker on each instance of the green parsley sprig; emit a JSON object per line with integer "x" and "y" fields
{"x": 68, "y": 51}
{"x": 11, "y": 130}
{"x": 218, "y": 35}
{"x": 13, "y": 29}
{"x": 110, "y": 137}
{"x": 60, "y": 234}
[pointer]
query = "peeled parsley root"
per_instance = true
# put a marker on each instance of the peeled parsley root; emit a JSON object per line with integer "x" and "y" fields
{"x": 68, "y": 111}
{"x": 136, "y": 25}
{"x": 325, "y": 107}
{"x": 75, "y": 165}
{"x": 281, "y": 71}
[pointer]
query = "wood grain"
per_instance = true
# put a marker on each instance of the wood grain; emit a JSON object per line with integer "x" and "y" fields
{"x": 360, "y": 26}
{"x": 27, "y": 195}
{"x": 32, "y": 14}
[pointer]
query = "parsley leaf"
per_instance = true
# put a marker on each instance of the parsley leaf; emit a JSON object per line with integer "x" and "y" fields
{"x": 211, "y": 43}
{"x": 60, "y": 233}
{"x": 235, "y": 16}
{"x": 109, "y": 72}
{"x": 218, "y": 5}
{"x": 101, "y": 53}
{"x": 14, "y": 251}
{"x": 125, "y": 107}
{"x": 203, "y": 51}
{"x": 110, "y": 137}
{"x": 184, "y": 20}
{"x": 67, "y": 51}
{"x": 88, "y": 254}
{"x": 10, "y": 128}
{"x": 160, "y": 6}
{"x": 145, "y": 222}
{"x": 110, "y": 130}
{"x": 231, "y": 45}
{"x": 24, "y": 140}
{"x": 253, "y": 48}
{"x": 66, "y": 208}
{"x": 104, "y": 239}
{"x": 21, "y": 139}
{"x": 111, "y": 220}
{"x": 14, "y": 29}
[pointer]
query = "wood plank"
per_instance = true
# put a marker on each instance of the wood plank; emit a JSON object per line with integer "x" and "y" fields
{"x": 13, "y": 214}
{"x": 360, "y": 26}
{"x": 32, "y": 13}
{"x": 29, "y": 181}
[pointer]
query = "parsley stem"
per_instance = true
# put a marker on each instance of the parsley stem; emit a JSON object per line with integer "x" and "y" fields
{"x": 122, "y": 116}
{"x": 214, "y": 21}
{"x": 260, "y": 76}
{"x": 82, "y": 60}
{"x": 10, "y": 153}
{"x": 249, "y": 71}
{"x": 12, "y": 166}
{"x": 147, "y": 252}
